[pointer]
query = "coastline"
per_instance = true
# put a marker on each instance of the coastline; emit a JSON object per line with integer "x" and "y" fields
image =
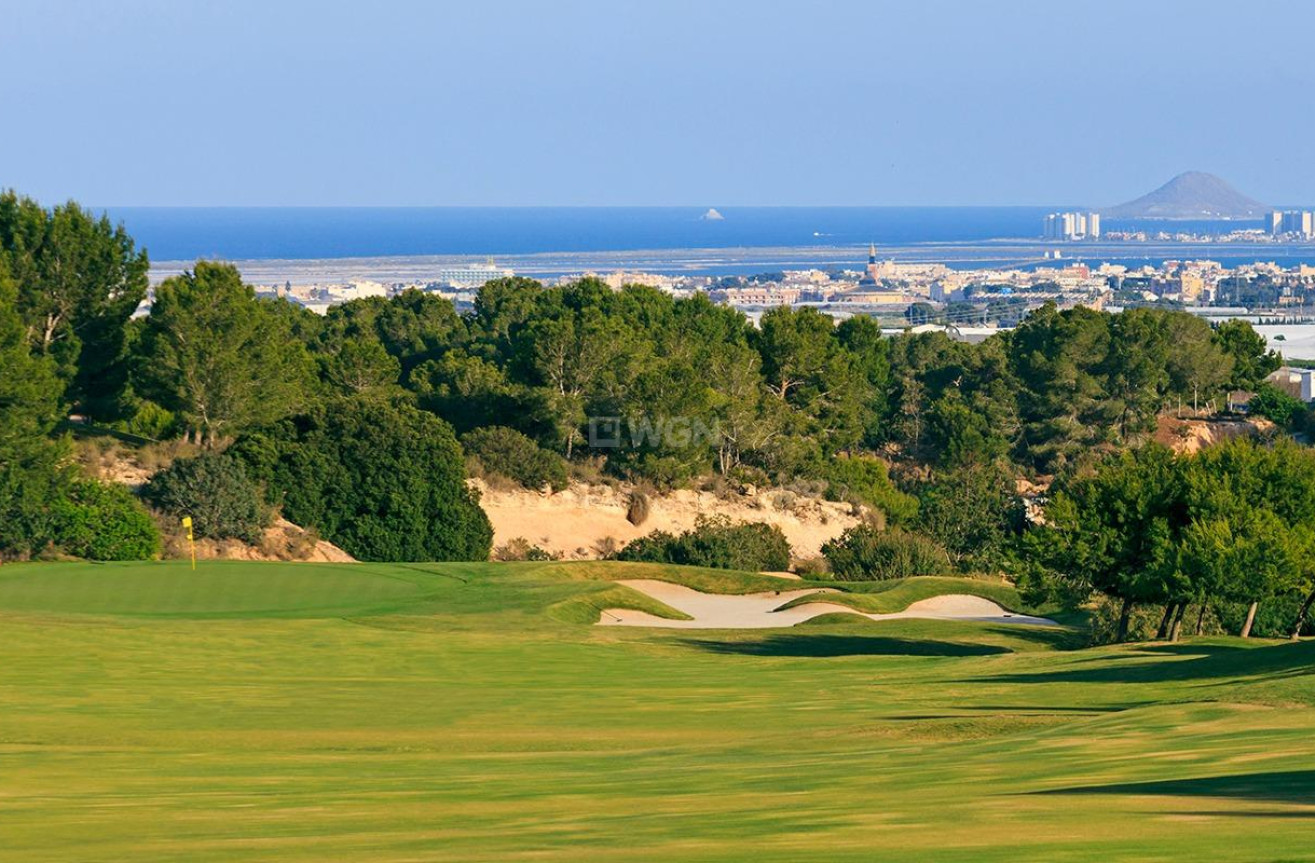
{"x": 1002, "y": 253}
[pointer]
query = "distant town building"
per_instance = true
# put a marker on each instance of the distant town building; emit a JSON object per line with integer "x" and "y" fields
{"x": 1299, "y": 222}
{"x": 870, "y": 278}
{"x": 471, "y": 276}
{"x": 355, "y": 290}
{"x": 1298, "y": 383}
{"x": 756, "y": 296}
{"x": 1071, "y": 226}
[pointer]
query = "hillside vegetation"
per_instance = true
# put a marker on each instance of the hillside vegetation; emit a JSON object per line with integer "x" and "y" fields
{"x": 364, "y": 426}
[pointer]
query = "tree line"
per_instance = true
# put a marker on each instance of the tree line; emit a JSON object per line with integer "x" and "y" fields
{"x": 212, "y": 360}
{"x": 515, "y": 382}
{"x": 1232, "y": 525}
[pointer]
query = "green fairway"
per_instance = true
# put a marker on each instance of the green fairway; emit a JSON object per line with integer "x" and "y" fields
{"x": 469, "y": 712}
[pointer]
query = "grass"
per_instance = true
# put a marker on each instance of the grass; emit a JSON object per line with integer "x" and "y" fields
{"x": 465, "y": 712}
{"x": 888, "y": 597}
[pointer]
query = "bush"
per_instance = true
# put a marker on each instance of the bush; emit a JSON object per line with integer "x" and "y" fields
{"x": 383, "y": 482}
{"x": 974, "y": 512}
{"x": 657, "y": 547}
{"x": 813, "y": 568}
{"x": 28, "y": 497}
{"x": 508, "y": 452}
{"x": 520, "y": 548}
{"x": 215, "y": 490}
{"x": 862, "y": 553}
{"x": 1279, "y": 407}
{"x": 1103, "y": 622}
{"x": 638, "y": 508}
{"x": 606, "y": 548}
{"x": 103, "y": 521}
{"x": 867, "y": 481}
{"x": 1274, "y": 617}
{"x": 150, "y": 421}
{"x": 715, "y": 543}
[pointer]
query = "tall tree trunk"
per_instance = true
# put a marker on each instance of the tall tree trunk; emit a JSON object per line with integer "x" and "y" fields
{"x": 1301, "y": 615}
{"x": 1125, "y": 620}
{"x": 1176, "y": 628}
{"x": 1251, "y": 619}
{"x": 1200, "y": 617}
{"x": 1162, "y": 632}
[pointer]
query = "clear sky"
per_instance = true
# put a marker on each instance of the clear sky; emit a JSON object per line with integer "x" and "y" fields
{"x": 664, "y": 102}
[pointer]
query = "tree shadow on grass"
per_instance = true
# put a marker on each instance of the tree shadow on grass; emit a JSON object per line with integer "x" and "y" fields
{"x": 1045, "y": 636}
{"x": 844, "y": 645}
{"x": 1180, "y": 662}
{"x": 1298, "y": 814}
{"x": 1289, "y": 786}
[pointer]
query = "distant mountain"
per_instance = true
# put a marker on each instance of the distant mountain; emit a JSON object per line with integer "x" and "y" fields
{"x": 1193, "y": 195}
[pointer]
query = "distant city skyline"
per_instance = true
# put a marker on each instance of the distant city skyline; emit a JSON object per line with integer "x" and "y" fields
{"x": 707, "y": 104}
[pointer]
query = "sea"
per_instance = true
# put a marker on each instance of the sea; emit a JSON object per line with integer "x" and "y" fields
{"x": 339, "y": 232}
{"x": 750, "y": 238}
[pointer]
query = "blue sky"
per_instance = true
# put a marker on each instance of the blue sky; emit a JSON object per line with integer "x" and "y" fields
{"x": 183, "y": 102}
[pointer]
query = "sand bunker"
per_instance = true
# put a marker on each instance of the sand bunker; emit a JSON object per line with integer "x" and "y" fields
{"x": 763, "y": 610}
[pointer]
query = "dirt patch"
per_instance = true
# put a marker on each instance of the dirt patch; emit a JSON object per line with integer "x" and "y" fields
{"x": 1186, "y": 436}
{"x": 282, "y": 540}
{"x": 578, "y": 523}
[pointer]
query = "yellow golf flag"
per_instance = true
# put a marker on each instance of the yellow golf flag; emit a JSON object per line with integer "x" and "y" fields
{"x": 191, "y": 542}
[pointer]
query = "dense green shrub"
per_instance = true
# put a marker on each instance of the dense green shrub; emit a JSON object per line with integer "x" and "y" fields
{"x": 149, "y": 420}
{"x": 715, "y": 543}
{"x": 216, "y": 492}
{"x": 1103, "y": 626}
{"x": 1274, "y": 404}
{"x": 27, "y": 523}
{"x": 505, "y": 451}
{"x": 867, "y": 481}
{"x": 381, "y": 481}
{"x": 863, "y": 552}
{"x": 974, "y": 512}
{"x": 31, "y": 476}
{"x": 103, "y": 521}
{"x": 1274, "y": 616}
{"x": 660, "y": 546}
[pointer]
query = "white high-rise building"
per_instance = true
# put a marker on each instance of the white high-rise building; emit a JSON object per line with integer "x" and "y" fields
{"x": 1071, "y": 226}
{"x": 1299, "y": 222}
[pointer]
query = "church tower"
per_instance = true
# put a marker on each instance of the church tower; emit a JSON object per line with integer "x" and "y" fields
{"x": 869, "y": 279}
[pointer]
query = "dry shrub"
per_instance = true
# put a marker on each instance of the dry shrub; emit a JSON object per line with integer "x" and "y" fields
{"x": 492, "y": 480}
{"x": 606, "y": 548}
{"x": 587, "y": 470}
{"x": 718, "y": 486}
{"x": 156, "y": 457}
{"x": 873, "y": 518}
{"x": 290, "y": 543}
{"x": 805, "y": 487}
{"x": 97, "y": 455}
{"x": 813, "y": 567}
{"x": 520, "y": 548}
{"x": 638, "y": 508}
